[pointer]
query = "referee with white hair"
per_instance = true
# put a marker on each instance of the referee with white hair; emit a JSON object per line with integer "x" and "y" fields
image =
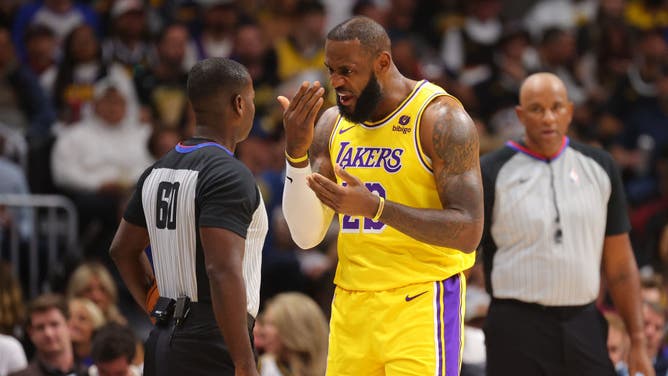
{"x": 202, "y": 212}
{"x": 555, "y": 216}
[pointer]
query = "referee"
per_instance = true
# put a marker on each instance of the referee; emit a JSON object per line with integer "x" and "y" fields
{"x": 555, "y": 216}
{"x": 202, "y": 213}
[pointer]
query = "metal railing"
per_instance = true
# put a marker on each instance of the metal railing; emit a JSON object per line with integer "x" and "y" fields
{"x": 53, "y": 226}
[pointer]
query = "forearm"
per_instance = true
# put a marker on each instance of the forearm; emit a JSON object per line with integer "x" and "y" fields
{"x": 624, "y": 288}
{"x": 446, "y": 228}
{"x": 136, "y": 275}
{"x": 228, "y": 296}
{"x": 308, "y": 219}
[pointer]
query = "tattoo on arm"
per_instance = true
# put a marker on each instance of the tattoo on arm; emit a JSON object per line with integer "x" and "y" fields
{"x": 456, "y": 167}
{"x": 320, "y": 160}
{"x": 455, "y": 141}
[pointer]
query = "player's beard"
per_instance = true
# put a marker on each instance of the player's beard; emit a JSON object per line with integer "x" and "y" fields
{"x": 366, "y": 102}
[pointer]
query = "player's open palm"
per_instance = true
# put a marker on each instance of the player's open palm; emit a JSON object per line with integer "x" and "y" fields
{"x": 353, "y": 198}
{"x": 299, "y": 117}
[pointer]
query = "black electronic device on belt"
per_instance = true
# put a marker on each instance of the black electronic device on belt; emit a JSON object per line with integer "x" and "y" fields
{"x": 163, "y": 310}
{"x": 181, "y": 310}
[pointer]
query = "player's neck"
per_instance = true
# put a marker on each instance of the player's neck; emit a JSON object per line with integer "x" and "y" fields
{"x": 395, "y": 92}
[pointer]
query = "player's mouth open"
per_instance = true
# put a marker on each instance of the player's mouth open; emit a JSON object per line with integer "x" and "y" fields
{"x": 345, "y": 99}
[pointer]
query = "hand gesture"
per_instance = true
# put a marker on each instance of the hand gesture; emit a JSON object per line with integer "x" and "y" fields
{"x": 299, "y": 117}
{"x": 352, "y": 199}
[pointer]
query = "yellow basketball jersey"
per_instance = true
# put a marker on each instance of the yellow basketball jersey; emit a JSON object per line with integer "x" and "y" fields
{"x": 387, "y": 156}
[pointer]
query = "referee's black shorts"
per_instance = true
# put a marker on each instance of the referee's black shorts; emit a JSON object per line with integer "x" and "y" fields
{"x": 530, "y": 339}
{"x": 197, "y": 347}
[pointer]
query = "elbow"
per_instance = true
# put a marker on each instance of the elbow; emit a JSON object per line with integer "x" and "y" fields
{"x": 114, "y": 253}
{"x": 306, "y": 240}
{"x": 470, "y": 239}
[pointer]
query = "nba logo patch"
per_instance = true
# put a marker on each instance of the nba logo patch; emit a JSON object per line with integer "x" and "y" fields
{"x": 404, "y": 119}
{"x": 574, "y": 176}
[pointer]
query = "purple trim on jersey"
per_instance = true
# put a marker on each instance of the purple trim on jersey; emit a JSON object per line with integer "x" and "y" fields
{"x": 523, "y": 149}
{"x": 413, "y": 94}
{"x": 439, "y": 325}
{"x": 183, "y": 149}
{"x": 452, "y": 324}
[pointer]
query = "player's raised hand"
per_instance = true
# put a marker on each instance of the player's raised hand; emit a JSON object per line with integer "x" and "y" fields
{"x": 299, "y": 117}
{"x": 352, "y": 199}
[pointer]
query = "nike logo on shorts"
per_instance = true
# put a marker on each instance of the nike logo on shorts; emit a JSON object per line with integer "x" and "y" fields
{"x": 289, "y": 178}
{"x": 409, "y": 298}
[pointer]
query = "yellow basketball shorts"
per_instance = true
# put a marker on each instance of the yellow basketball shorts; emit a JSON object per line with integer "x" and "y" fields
{"x": 413, "y": 330}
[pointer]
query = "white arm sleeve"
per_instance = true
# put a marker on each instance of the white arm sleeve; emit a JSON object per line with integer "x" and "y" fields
{"x": 308, "y": 218}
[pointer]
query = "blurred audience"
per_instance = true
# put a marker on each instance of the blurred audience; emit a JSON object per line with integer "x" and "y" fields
{"x": 619, "y": 343}
{"x": 93, "y": 281}
{"x": 49, "y": 333}
{"x": 161, "y": 86}
{"x": 85, "y": 318}
{"x": 654, "y": 316}
{"x": 127, "y": 44}
{"x": 23, "y": 104}
{"x": 295, "y": 335}
{"x": 113, "y": 352}
{"x": 12, "y": 357}
{"x": 12, "y": 306}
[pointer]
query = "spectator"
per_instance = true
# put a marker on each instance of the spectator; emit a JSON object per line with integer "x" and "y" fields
{"x": 654, "y": 315}
{"x": 127, "y": 43}
{"x": 12, "y": 357}
{"x": 161, "y": 86}
{"x": 79, "y": 70}
{"x": 619, "y": 343}
{"x": 468, "y": 49}
{"x": 25, "y": 107}
{"x": 113, "y": 351}
{"x": 216, "y": 39}
{"x": 61, "y": 16}
{"x": 303, "y": 49}
{"x": 12, "y": 307}
{"x": 41, "y": 55}
{"x": 48, "y": 331}
{"x": 295, "y": 331}
{"x": 92, "y": 280}
{"x": 97, "y": 160}
{"x": 85, "y": 318}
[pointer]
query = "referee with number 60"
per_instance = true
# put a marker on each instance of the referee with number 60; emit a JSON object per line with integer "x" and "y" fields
{"x": 203, "y": 215}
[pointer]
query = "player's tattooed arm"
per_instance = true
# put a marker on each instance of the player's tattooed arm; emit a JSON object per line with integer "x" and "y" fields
{"x": 450, "y": 139}
{"x": 319, "y": 151}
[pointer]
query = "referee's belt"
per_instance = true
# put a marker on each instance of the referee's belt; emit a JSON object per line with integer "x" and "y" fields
{"x": 562, "y": 312}
{"x": 203, "y": 311}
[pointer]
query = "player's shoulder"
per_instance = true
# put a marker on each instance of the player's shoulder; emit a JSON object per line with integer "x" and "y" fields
{"x": 328, "y": 117}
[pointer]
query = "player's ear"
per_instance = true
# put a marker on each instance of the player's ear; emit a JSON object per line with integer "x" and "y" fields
{"x": 383, "y": 62}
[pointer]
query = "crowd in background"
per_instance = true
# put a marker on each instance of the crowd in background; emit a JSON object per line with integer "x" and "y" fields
{"x": 97, "y": 90}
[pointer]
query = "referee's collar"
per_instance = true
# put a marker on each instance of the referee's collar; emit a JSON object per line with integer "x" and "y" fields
{"x": 520, "y": 146}
{"x": 182, "y": 148}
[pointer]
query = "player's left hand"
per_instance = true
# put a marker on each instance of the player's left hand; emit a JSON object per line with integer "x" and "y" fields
{"x": 352, "y": 199}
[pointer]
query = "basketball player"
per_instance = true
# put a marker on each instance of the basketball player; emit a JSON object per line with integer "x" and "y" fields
{"x": 397, "y": 160}
{"x": 202, "y": 212}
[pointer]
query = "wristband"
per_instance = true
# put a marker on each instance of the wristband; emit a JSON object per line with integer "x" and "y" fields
{"x": 381, "y": 206}
{"x": 296, "y": 160}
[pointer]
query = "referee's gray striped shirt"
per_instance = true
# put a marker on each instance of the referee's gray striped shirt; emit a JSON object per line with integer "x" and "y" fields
{"x": 546, "y": 220}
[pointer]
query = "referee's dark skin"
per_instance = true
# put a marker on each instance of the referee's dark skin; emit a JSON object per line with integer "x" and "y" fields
{"x": 225, "y": 118}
